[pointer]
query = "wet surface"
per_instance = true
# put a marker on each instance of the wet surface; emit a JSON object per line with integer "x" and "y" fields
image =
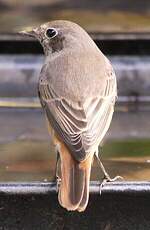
{"x": 26, "y": 152}
{"x": 35, "y": 161}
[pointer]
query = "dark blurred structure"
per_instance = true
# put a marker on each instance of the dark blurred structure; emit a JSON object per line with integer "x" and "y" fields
{"x": 34, "y": 207}
{"x": 96, "y": 15}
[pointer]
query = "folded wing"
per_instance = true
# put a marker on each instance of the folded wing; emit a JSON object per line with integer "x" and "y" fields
{"x": 83, "y": 124}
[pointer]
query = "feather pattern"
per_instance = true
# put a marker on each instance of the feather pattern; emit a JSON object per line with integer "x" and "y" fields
{"x": 81, "y": 124}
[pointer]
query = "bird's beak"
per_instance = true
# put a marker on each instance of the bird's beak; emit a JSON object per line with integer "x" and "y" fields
{"x": 29, "y": 33}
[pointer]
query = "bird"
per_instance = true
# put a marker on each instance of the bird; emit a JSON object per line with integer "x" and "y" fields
{"x": 77, "y": 89}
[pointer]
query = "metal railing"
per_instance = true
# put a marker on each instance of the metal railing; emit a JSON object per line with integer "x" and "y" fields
{"x": 34, "y": 206}
{"x": 124, "y": 103}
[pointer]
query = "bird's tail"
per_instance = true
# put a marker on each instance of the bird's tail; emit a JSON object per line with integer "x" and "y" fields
{"x": 75, "y": 177}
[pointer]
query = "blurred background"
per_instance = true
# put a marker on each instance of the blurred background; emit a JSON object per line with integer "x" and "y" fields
{"x": 96, "y": 15}
{"x": 121, "y": 29}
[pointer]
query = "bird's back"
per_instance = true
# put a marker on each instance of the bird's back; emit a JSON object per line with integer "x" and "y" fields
{"x": 77, "y": 89}
{"x": 80, "y": 74}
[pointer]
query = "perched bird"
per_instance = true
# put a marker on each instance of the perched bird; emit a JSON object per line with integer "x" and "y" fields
{"x": 77, "y": 89}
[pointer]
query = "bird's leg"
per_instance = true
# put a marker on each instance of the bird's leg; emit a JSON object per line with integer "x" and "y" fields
{"x": 56, "y": 176}
{"x": 106, "y": 178}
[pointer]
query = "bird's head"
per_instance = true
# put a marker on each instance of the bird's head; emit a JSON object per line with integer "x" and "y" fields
{"x": 56, "y": 35}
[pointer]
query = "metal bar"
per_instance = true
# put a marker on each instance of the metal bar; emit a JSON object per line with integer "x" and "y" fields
{"x": 127, "y": 187}
{"x": 94, "y": 35}
{"x": 33, "y": 102}
{"x": 22, "y": 102}
{"x": 35, "y": 206}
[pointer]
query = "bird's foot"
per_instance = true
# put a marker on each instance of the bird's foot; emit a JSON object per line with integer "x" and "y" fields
{"x": 108, "y": 179}
{"x": 57, "y": 180}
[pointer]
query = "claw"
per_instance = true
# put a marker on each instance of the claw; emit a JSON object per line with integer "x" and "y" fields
{"x": 58, "y": 181}
{"x": 107, "y": 180}
{"x": 102, "y": 185}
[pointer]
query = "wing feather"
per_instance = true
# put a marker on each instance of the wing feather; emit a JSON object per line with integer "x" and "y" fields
{"x": 81, "y": 125}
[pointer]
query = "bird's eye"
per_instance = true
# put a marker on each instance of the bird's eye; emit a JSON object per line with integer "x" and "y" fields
{"x": 50, "y": 33}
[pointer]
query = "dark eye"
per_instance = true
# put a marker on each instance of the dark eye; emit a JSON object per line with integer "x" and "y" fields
{"x": 50, "y": 33}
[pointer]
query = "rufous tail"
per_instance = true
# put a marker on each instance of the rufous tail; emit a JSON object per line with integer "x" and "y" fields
{"x": 75, "y": 177}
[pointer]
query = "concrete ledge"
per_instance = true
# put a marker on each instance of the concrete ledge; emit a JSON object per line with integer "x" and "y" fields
{"x": 123, "y": 205}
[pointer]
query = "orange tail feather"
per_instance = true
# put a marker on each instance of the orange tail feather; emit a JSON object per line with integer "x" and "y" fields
{"x": 75, "y": 177}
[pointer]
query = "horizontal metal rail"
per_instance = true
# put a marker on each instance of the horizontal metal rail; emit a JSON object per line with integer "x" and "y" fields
{"x": 126, "y": 187}
{"x": 35, "y": 206}
{"x": 33, "y": 102}
{"x": 94, "y": 35}
{"x": 23, "y": 102}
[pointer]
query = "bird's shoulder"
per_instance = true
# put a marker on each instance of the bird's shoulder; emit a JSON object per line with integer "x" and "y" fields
{"x": 77, "y": 76}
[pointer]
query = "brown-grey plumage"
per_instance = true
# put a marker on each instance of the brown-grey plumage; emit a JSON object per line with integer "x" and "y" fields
{"x": 77, "y": 89}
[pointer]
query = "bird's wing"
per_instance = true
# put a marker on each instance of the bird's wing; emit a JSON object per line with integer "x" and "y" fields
{"x": 81, "y": 125}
